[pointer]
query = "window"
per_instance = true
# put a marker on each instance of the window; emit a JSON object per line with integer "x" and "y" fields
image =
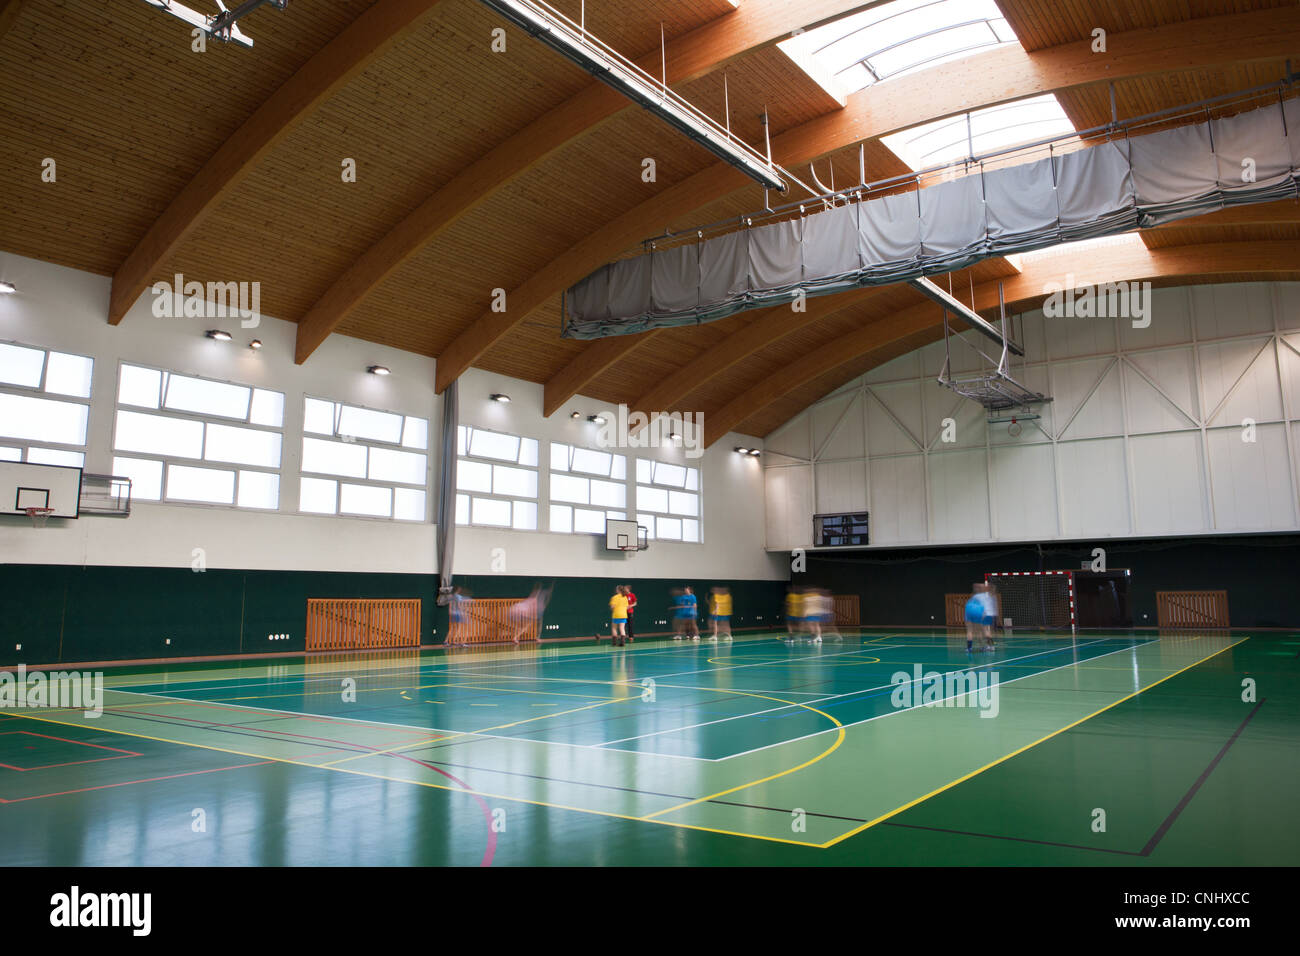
{"x": 668, "y": 500}
{"x": 189, "y": 439}
{"x": 371, "y": 463}
{"x": 34, "y": 427}
{"x": 991, "y": 129}
{"x": 894, "y": 39}
{"x": 586, "y": 477}
{"x": 496, "y": 479}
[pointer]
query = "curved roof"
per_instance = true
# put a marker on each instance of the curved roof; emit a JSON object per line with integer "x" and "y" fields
{"x": 480, "y": 170}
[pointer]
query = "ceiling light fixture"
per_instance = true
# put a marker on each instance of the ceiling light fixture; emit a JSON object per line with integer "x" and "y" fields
{"x": 742, "y": 450}
{"x": 754, "y": 452}
{"x": 221, "y": 335}
{"x": 500, "y": 397}
{"x": 575, "y": 415}
{"x": 377, "y": 369}
{"x": 7, "y": 288}
{"x": 596, "y": 419}
{"x": 255, "y": 344}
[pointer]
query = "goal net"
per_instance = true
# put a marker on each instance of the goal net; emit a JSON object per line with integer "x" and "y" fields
{"x": 1035, "y": 600}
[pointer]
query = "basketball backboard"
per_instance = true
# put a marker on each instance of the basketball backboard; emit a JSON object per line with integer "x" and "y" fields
{"x": 24, "y": 485}
{"x": 625, "y": 536}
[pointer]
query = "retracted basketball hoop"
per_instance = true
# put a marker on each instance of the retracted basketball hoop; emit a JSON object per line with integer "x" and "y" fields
{"x": 39, "y": 516}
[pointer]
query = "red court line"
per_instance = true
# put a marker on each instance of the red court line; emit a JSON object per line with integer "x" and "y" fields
{"x": 315, "y": 718}
{"x": 128, "y": 783}
{"x": 121, "y": 754}
{"x": 198, "y": 721}
{"x": 82, "y": 743}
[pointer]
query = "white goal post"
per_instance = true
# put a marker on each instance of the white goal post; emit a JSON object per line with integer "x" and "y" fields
{"x": 1036, "y": 599}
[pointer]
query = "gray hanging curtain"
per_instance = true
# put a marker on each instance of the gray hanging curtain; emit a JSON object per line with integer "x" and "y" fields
{"x": 446, "y": 516}
{"x": 1115, "y": 187}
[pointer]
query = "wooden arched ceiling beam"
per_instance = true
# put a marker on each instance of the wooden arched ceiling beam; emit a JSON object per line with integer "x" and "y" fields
{"x": 985, "y": 79}
{"x": 769, "y": 326}
{"x": 754, "y": 25}
{"x": 9, "y": 10}
{"x": 330, "y": 69}
{"x": 774, "y": 324}
{"x": 1125, "y": 263}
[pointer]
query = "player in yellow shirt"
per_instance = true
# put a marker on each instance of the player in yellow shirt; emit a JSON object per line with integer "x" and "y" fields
{"x": 794, "y": 613}
{"x": 720, "y": 612}
{"x": 618, "y": 616}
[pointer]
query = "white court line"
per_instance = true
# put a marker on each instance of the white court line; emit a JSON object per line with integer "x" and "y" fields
{"x": 435, "y": 669}
{"x": 383, "y": 723}
{"x": 821, "y": 700}
{"x": 649, "y": 652}
{"x": 903, "y": 710}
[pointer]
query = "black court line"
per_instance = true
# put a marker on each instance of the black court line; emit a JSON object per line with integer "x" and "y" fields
{"x": 1205, "y": 775}
{"x": 1012, "y": 839}
{"x": 1155, "y": 837}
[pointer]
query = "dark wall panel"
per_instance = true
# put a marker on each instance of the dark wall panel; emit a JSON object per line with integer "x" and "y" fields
{"x": 906, "y": 586}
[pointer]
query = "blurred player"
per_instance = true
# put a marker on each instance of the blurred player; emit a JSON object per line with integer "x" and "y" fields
{"x": 720, "y": 612}
{"x": 981, "y": 613}
{"x": 530, "y": 610}
{"x": 618, "y": 616}
{"x": 685, "y": 612}
{"x": 819, "y": 610}
{"x": 631, "y": 611}
{"x": 794, "y": 613}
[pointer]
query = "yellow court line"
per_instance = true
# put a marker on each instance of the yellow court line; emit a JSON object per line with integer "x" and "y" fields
{"x": 839, "y": 739}
{"x": 1030, "y": 746}
{"x": 425, "y": 783}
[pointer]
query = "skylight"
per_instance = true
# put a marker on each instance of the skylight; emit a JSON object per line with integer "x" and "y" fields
{"x": 897, "y": 38}
{"x": 1127, "y": 240}
{"x": 994, "y": 128}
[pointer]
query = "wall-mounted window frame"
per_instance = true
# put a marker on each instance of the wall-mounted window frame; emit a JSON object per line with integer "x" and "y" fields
{"x": 186, "y": 439}
{"x": 45, "y": 397}
{"x": 498, "y": 479}
{"x": 669, "y": 500}
{"x": 363, "y": 462}
{"x": 587, "y": 486}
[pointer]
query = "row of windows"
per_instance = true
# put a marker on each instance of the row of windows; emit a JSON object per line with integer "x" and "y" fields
{"x": 190, "y": 439}
{"x": 587, "y": 487}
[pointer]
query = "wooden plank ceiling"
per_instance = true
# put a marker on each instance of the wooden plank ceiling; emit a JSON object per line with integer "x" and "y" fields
{"x": 115, "y": 95}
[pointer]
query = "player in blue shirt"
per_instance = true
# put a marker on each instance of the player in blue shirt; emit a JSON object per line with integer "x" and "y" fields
{"x": 981, "y": 614}
{"x": 685, "y": 611}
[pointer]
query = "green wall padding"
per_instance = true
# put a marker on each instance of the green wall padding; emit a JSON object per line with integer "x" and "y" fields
{"x": 63, "y": 613}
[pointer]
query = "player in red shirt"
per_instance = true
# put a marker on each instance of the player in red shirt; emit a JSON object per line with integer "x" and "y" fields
{"x": 631, "y": 609}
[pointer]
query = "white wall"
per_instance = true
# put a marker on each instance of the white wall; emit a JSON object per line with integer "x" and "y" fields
{"x": 1143, "y": 438}
{"x": 731, "y": 523}
{"x": 65, "y": 309}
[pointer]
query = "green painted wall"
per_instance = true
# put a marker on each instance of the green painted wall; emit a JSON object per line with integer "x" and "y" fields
{"x": 64, "y": 613}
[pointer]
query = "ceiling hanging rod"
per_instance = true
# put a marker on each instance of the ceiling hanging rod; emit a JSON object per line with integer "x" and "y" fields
{"x": 856, "y": 191}
{"x": 966, "y": 314}
{"x": 575, "y": 43}
{"x": 225, "y": 25}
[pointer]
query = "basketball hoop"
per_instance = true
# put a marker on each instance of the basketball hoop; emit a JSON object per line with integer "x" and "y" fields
{"x": 39, "y": 516}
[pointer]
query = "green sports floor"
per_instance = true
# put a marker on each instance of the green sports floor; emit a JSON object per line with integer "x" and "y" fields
{"x": 1124, "y": 749}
